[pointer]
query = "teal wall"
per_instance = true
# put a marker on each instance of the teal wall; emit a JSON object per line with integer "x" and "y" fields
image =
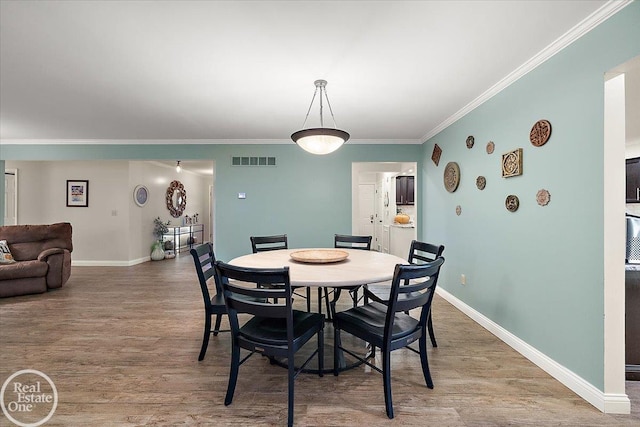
{"x": 307, "y": 197}
{"x": 537, "y": 272}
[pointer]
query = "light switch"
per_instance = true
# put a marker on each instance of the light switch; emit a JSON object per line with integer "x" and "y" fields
{"x": 242, "y": 195}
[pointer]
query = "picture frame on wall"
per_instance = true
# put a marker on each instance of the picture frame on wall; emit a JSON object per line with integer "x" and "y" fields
{"x": 77, "y": 193}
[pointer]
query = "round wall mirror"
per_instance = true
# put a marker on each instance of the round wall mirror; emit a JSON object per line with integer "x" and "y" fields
{"x": 176, "y": 199}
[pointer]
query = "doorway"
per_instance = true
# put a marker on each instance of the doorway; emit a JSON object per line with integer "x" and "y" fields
{"x": 11, "y": 197}
{"x": 375, "y": 183}
{"x": 622, "y": 139}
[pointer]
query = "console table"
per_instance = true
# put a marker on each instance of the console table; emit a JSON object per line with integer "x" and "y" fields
{"x": 184, "y": 237}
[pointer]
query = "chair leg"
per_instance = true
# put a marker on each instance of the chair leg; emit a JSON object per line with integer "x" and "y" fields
{"x": 216, "y": 328}
{"x": 422, "y": 343}
{"x": 233, "y": 373}
{"x": 330, "y": 312}
{"x": 321, "y": 351}
{"x": 386, "y": 380}
{"x": 336, "y": 349}
{"x": 205, "y": 338}
{"x": 430, "y": 328}
{"x": 291, "y": 371}
{"x": 308, "y": 300}
{"x": 354, "y": 297}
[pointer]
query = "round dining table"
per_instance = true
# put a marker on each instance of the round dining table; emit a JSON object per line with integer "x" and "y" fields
{"x": 360, "y": 267}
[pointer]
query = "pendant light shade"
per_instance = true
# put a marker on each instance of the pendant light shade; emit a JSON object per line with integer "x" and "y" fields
{"x": 320, "y": 140}
{"x": 178, "y": 167}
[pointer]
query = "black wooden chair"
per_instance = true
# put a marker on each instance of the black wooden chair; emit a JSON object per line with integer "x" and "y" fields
{"x": 273, "y": 243}
{"x": 268, "y": 243}
{"x": 343, "y": 241}
{"x": 419, "y": 253}
{"x": 204, "y": 260}
{"x": 388, "y": 326}
{"x": 274, "y": 330}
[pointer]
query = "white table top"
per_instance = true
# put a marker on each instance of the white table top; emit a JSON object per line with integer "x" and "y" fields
{"x": 360, "y": 268}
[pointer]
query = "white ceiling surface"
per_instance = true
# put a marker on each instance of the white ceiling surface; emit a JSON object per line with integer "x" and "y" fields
{"x": 220, "y": 71}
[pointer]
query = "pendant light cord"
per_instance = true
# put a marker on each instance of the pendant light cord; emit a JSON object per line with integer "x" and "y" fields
{"x": 328, "y": 103}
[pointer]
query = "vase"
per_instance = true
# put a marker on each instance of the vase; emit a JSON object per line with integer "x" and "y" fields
{"x": 157, "y": 252}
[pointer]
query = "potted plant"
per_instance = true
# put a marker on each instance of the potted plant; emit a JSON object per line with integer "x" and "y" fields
{"x": 159, "y": 229}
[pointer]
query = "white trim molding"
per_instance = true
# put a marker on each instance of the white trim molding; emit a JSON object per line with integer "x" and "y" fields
{"x": 583, "y": 27}
{"x": 608, "y": 403}
{"x": 97, "y": 263}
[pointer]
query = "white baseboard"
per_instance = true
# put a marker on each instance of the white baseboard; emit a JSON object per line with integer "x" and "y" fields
{"x": 81, "y": 263}
{"x": 608, "y": 403}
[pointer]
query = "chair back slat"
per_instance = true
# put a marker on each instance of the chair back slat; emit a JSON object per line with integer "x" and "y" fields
{"x": 247, "y": 297}
{"x": 268, "y": 243}
{"x": 204, "y": 260}
{"x": 352, "y": 242}
{"x": 422, "y": 252}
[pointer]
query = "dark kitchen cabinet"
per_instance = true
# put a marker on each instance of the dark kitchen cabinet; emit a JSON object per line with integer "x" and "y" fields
{"x": 633, "y": 180}
{"x": 405, "y": 190}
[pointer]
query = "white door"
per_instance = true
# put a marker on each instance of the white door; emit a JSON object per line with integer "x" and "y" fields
{"x": 366, "y": 209}
{"x": 11, "y": 197}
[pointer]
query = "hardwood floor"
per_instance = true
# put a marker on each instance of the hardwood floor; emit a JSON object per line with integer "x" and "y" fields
{"x": 121, "y": 346}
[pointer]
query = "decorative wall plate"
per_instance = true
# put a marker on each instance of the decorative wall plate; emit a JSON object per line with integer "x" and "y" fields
{"x": 540, "y": 133}
{"x": 512, "y": 163}
{"x": 140, "y": 195}
{"x": 470, "y": 141}
{"x": 437, "y": 152}
{"x": 543, "y": 197}
{"x": 451, "y": 176}
{"x": 490, "y": 147}
{"x": 481, "y": 182}
{"x": 458, "y": 210}
{"x": 512, "y": 203}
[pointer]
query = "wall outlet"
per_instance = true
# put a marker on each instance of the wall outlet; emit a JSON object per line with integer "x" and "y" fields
{"x": 463, "y": 279}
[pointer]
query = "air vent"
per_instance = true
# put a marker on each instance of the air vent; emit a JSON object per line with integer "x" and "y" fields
{"x": 253, "y": 161}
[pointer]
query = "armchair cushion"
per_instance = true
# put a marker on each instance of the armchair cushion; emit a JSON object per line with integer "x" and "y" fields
{"x": 23, "y": 269}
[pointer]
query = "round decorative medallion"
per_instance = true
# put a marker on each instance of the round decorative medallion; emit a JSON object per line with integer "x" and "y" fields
{"x": 140, "y": 195}
{"x": 481, "y": 182}
{"x": 490, "y": 147}
{"x": 540, "y": 133}
{"x": 512, "y": 203}
{"x": 470, "y": 141}
{"x": 451, "y": 176}
{"x": 458, "y": 210}
{"x": 543, "y": 197}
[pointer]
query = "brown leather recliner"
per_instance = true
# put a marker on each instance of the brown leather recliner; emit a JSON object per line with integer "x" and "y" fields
{"x": 43, "y": 258}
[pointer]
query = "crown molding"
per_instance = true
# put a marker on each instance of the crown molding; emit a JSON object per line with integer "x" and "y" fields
{"x": 583, "y": 27}
{"x": 190, "y": 141}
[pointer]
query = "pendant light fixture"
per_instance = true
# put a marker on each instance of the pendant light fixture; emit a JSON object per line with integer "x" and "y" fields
{"x": 320, "y": 140}
{"x": 178, "y": 167}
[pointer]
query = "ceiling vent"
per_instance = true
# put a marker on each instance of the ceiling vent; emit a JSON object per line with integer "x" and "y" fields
{"x": 253, "y": 161}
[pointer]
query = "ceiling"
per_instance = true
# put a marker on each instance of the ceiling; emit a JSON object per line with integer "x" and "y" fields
{"x": 242, "y": 72}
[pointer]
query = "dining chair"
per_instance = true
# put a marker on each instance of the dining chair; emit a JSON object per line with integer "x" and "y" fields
{"x": 273, "y": 243}
{"x": 204, "y": 260}
{"x": 274, "y": 330}
{"x": 268, "y": 243}
{"x": 343, "y": 241}
{"x": 419, "y": 253}
{"x": 388, "y": 326}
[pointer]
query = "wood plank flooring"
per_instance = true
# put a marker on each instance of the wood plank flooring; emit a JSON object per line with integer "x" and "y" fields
{"x": 121, "y": 345}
